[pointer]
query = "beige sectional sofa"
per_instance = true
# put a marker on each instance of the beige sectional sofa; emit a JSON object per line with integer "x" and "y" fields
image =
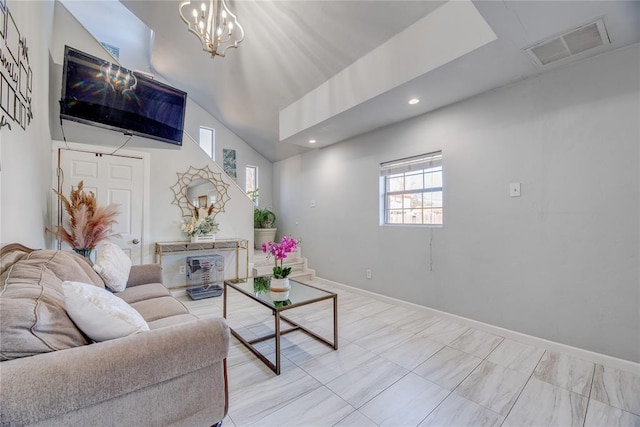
{"x": 52, "y": 374}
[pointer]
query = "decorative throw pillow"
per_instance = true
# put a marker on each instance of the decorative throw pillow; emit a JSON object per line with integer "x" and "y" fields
{"x": 113, "y": 265}
{"x": 99, "y": 314}
{"x": 33, "y": 316}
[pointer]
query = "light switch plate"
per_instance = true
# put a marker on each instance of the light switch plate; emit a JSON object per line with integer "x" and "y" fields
{"x": 514, "y": 189}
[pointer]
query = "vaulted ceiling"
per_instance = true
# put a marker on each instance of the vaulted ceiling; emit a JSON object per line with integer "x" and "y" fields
{"x": 328, "y": 70}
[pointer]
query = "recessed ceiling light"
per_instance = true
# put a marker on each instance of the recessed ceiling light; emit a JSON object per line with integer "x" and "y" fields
{"x": 312, "y": 141}
{"x": 413, "y": 101}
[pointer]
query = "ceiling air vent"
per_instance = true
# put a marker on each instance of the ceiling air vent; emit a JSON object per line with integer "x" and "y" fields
{"x": 570, "y": 44}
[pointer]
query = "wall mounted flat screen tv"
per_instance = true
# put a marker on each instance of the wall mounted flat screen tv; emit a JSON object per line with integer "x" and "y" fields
{"x": 101, "y": 93}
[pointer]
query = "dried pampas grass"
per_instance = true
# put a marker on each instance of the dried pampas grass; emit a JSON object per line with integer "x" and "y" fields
{"x": 88, "y": 224}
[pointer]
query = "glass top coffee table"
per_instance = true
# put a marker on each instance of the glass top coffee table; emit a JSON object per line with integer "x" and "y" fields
{"x": 257, "y": 289}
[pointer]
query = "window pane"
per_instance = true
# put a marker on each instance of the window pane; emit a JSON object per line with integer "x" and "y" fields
{"x": 396, "y": 183}
{"x": 207, "y": 141}
{"x": 413, "y": 196}
{"x": 406, "y": 201}
{"x": 433, "y": 216}
{"x": 394, "y": 217}
{"x": 437, "y": 178}
{"x": 433, "y": 179}
{"x": 415, "y": 216}
{"x": 436, "y": 198}
{"x": 412, "y": 216}
{"x": 416, "y": 200}
{"x": 437, "y": 216}
{"x": 414, "y": 181}
{"x": 394, "y": 202}
{"x": 251, "y": 182}
{"x": 427, "y": 201}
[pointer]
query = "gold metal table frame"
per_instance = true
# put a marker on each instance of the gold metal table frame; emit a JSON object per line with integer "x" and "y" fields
{"x": 298, "y": 291}
{"x": 220, "y": 245}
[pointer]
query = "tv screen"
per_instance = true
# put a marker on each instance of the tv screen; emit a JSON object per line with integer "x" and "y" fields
{"x": 101, "y": 93}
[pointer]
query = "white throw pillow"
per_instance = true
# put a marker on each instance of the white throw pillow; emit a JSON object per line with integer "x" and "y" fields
{"x": 113, "y": 265}
{"x": 99, "y": 314}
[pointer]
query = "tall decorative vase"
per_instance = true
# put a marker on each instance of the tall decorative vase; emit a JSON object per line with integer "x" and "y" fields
{"x": 84, "y": 252}
{"x": 280, "y": 284}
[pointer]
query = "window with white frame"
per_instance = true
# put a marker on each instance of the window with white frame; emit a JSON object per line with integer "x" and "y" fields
{"x": 412, "y": 190}
{"x": 251, "y": 182}
{"x": 208, "y": 141}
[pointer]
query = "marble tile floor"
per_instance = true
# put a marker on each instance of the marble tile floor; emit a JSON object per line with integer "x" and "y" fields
{"x": 401, "y": 367}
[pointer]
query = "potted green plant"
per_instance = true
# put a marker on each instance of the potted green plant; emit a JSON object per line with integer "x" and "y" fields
{"x": 264, "y": 221}
{"x": 264, "y": 229}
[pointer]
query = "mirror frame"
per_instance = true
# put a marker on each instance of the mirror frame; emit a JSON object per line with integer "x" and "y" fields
{"x": 180, "y": 190}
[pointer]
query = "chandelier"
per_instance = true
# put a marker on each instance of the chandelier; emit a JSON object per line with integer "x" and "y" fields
{"x": 214, "y": 24}
{"x": 120, "y": 80}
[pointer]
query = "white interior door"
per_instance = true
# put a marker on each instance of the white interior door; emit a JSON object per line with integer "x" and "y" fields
{"x": 113, "y": 179}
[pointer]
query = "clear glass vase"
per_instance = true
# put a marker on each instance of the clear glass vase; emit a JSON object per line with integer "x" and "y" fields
{"x": 84, "y": 252}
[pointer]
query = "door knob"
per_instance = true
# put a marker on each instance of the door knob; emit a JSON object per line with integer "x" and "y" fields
{"x": 135, "y": 241}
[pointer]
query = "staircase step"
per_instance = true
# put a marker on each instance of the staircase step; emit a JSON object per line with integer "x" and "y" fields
{"x": 265, "y": 270}
{"x": 260, "y": 258}
{"x": 257, "y": 262}
{"x": 304, "y": 276}
{"x": 263, "y": 266}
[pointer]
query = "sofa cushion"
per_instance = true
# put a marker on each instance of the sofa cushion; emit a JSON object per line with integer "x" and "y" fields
{"x": 9, "y": 258}
{"x": 144, "y": 292}
{"x": 33, "y": 318}
{"x": 66, "y": 266}
{"x": 113, "y": 265}
{"x": 144, "y": 274}
{"x": 158, "y": 308}
{"x": 100, "y": 314}
{"x": 172, "y": 320}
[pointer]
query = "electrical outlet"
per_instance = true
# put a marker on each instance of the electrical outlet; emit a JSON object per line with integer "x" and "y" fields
{"x": 183, "y": 269}
{"x": 368, "y": 272}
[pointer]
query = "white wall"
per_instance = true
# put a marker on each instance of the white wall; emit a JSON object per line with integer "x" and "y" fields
{"x": 560, "y": 262}
{"x": 68, "y": 31}
{"x": 24, "y": 153}
{"x": 245, "y": 155}
{"x": 165, "y": 160}
{"x": 235, "y": 222}
{"x": 111, "y": 22}
{"x": 26, "y": 156}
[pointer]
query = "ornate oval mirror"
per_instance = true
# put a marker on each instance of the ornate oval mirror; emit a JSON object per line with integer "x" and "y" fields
{"x": 200, "y": 189}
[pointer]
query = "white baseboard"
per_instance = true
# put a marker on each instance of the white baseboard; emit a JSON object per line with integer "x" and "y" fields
{"x": 580, "y": 353}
